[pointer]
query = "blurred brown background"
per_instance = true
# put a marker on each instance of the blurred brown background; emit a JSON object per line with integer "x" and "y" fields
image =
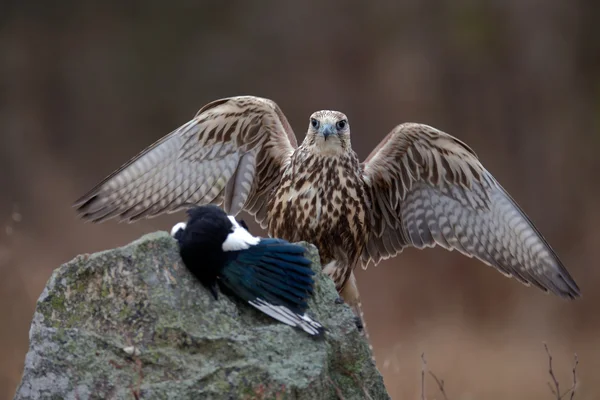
{"x": 84, "y": 86}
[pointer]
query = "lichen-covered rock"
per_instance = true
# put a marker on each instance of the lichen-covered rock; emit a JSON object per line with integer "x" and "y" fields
{"x": 133, "y": 323}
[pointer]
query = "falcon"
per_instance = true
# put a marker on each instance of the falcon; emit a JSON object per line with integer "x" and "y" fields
{"x": 420, "y": 187}
{"x": 272, "y": 275}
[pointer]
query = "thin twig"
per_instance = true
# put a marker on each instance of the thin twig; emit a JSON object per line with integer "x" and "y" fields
{"x": 134, "y": 387}
{"x": 338, "y": 392}
{"x": 367, "y": 395}
{"x": 574, "y": 377}
{"x": 7, "y": 242}
{"x": 440, "y": 383}
{"x": 556, "y": 389}
{"x": 138, "y": 389}
{"x": 423, "y": 368}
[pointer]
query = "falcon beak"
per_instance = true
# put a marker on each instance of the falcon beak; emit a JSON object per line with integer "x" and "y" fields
{"x": 327, "y": 130}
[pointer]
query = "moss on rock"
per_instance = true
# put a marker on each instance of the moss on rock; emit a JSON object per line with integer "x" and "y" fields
{"x": 134, "y": 320}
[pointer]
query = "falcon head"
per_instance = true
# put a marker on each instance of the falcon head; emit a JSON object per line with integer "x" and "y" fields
{"x": 328, "y": 132}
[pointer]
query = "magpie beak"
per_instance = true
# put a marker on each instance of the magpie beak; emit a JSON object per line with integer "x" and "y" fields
{"x": 243, "y": 224}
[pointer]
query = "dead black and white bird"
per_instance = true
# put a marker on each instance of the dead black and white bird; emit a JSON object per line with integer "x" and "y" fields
{"x": 270, "y": 274}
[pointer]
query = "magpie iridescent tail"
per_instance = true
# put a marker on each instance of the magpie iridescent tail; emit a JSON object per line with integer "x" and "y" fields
{"x": 274, "y": 277}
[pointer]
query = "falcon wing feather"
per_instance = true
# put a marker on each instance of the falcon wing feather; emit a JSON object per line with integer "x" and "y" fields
{"x": 229, "y": 154}
{"x": 428, "y": 188}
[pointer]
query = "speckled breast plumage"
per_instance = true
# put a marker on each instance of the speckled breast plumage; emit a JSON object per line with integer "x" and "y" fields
{"x": 322, "y": 200}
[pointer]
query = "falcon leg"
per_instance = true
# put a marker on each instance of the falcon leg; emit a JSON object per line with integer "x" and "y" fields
{"x": 349, "y": 294}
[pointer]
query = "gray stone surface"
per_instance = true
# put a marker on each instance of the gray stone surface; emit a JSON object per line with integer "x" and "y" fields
{"x": 97, "y": 308}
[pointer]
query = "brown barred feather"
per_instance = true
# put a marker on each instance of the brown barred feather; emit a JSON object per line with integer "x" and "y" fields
{"x": 231, "y": 153}
{"x": 446, "y": 197}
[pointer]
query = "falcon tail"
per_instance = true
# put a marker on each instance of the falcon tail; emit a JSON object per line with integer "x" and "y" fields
{"x": 274, "y": 277}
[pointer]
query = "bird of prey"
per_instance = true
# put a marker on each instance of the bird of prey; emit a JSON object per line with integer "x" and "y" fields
{"x": 271, "y": 275}
{"x": 419, "y": 187}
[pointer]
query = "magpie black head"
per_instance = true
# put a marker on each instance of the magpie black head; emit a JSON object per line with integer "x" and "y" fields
{"x": 201, "y": 242}
{"x": 209, "y": 223}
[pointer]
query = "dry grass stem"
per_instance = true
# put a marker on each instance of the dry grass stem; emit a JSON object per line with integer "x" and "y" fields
{"x": 555, "y": 386}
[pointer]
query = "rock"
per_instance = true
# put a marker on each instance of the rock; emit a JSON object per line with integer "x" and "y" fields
{"x": 132, "y": 322}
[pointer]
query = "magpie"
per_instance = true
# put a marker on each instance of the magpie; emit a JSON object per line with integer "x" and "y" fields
{"x": 270, "y": 274}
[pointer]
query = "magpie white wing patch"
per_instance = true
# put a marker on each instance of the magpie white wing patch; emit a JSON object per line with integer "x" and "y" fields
{"x": 239, "y": 239}
{"x": 177, "y": 227}
{"x": 285, "y": 315}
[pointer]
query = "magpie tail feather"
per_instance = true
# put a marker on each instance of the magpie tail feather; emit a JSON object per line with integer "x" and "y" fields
{"x": 285, "y": 315}
{"x": 274, "y": 277}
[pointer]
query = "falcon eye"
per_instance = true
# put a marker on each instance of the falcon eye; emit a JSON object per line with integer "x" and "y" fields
{"x": 314, "y": 123}
{"x": 341, "y": 124}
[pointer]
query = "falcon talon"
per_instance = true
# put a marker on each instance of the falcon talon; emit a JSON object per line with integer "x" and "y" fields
{"x": 359, "y": 323}
{"x": 214, "y": 291}
{"x": 272, "y": 275}
{"x": 420, "y": 187}
{"x": 339, "y": 300}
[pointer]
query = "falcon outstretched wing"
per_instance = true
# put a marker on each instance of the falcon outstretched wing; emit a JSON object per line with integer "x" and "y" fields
{"x": 428, "y": 188}
{"x": 229, "y": 154}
